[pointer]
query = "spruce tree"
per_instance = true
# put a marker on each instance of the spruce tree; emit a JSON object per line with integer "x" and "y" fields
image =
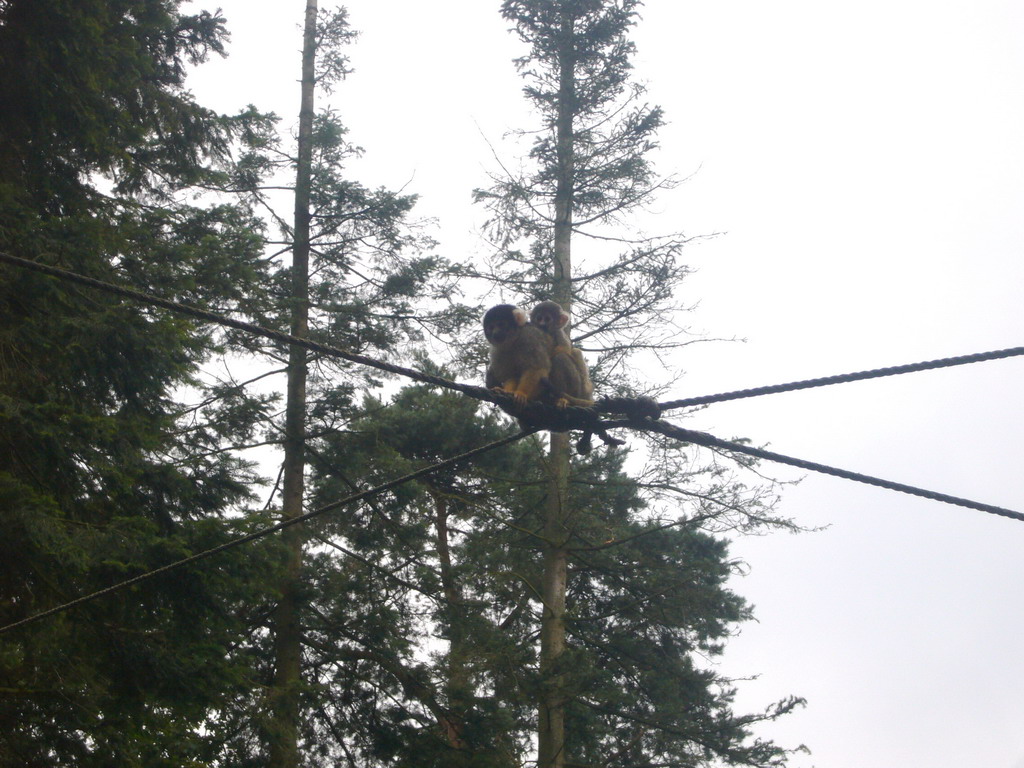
{"x": 431, "y": 611}
{"x": 630, "y": 601}
{"x": 423, "y": 622}
{"x": 103, "y": 472}
{"x": 356, "y": 278}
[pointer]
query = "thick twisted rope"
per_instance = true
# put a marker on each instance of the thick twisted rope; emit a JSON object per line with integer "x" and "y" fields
{"x": 256, "y": 330}
{"x": 844, "y": 378}
{"x": 561, "y": 419}
{"x": 702, "y": 438}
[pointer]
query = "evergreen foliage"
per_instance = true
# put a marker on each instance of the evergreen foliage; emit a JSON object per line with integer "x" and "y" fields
{"x": 423, "y": 606}
{"x": 103, "y": 473}
{"x": 625, "y": 286}
{"x": 447, "y": 574}
{"x": 359, "y": 279}
{"x": 646, "y": 598}
{"x": 418, "y": 612}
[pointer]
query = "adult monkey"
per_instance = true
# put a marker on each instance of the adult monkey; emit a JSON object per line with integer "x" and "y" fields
{"x": 520, "y": 354}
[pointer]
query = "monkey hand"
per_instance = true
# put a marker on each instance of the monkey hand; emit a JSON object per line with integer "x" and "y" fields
{"x": 518, "y": 397}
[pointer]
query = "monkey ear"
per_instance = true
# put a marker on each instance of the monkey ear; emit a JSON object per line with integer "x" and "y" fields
{"x": 563, "y": 318}
{"x": 520, "y": 315}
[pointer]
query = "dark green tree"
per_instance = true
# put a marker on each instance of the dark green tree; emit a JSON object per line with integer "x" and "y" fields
{"x": 103, "y": 473}
{"x": 435, "y": 600}
{"x": 416, "y": 660}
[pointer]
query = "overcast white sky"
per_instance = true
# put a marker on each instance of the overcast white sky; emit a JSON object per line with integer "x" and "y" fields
{"x": 865, "y": 163}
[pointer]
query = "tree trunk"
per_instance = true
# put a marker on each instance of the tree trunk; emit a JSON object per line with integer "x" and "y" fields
{"x": 551, "y": 710}
{"x": 283, "y": 732}
{"x": 551, "y": 727}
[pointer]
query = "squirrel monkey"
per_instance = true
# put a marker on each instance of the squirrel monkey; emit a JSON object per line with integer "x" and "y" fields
{"x": 569, "y": 375}
{"x": 520, "y": 353}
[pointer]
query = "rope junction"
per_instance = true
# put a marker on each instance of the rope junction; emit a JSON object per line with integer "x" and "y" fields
{"x": 640, "y": 414}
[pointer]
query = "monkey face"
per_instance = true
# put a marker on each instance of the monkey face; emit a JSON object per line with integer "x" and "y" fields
{"x": 502, "y": 321}
{"x": 549, "y": 316}
{"x": 541, "y": 319}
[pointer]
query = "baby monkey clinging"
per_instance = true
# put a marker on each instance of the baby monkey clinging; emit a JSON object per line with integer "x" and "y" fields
{"x": 568, "y": 376}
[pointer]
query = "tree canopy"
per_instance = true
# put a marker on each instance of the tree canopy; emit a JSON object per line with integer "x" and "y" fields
{"x": 131, "y": 437}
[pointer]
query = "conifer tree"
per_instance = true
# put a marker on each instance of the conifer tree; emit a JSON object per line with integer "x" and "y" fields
{"x": 355, "y": 279}
{"x": 418, "y": 639}
{"x": 422, "y": 633}
{"x": 628, "y": 602}
{"x": 103, "y": 472}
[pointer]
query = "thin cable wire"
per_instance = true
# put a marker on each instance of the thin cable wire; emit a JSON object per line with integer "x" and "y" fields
{"x": 534, "y": 412}
{"x": 844, "y": 378}
{"x": 256, "y": 330}
{"x": 703, "y": 438}
{"x": 376, "y": 491}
